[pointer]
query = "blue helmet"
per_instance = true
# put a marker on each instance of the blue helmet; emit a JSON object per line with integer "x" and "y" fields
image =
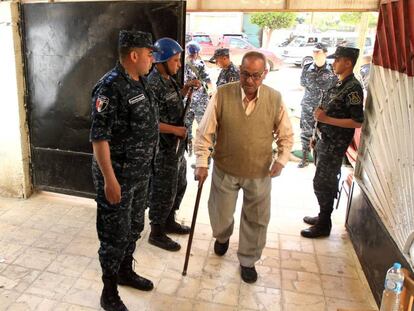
{"x": 167, "y": 48}
{"x": 193, "y": 47}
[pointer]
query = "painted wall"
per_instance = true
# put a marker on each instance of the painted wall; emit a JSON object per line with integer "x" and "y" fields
{"x": 14, "y": 146}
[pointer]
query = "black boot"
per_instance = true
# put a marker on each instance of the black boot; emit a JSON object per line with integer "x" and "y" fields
{"x": 110, "y": 300}
{"x": 158, "y": 238}
{"x": 171, "y": 226}
{"x": 310, "y": 220}
{"x": 128, "y": 277}
{"x": 304, "y": 161}
{"x": 321, "y": 229}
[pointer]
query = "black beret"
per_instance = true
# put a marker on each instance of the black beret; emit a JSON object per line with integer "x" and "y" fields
{"x": 320, "y": 47}
{"x": 135, "y": 39}
{"x": 344, "y": 51}
{"x": 221, "y": 52}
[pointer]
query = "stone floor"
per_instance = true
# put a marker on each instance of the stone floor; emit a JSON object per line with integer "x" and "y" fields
{"x": 48, "y": 259}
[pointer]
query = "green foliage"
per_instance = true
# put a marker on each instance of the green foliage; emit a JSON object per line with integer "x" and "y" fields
{"x": 354, "y": 18}
{"x": 275, "y": 20}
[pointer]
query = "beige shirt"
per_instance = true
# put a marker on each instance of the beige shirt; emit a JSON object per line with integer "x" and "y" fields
{"x": 207, "y": 128}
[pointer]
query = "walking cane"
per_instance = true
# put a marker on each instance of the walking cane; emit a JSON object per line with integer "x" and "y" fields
{"x": 193, "y": 223}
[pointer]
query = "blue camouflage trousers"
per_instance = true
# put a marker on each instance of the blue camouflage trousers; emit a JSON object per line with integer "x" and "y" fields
{"x": 325, "y": 182}
{"x": 198, "y": 107}
{"x": 168, "y": 185}
{"x": 119, "y": 226}
{"x": 307, "y": 125}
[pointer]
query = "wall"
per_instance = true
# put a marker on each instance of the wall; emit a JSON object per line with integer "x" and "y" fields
{"x": 386, "y": 163}
{"x": 14, "y": 146}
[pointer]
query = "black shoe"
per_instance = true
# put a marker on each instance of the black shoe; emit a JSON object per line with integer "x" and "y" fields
{"x": 248, "y": 274}
{"x": 128, "y": 277}
{"x": 158, "y": 238}
{"x": 172, "y": 226}
{"x": 110, "y": 300}
{"x": 136, "y": 281}
{"x": 310, "y": 220}
{"x": 303, "y": 163}
{"x": 316, "y": 231}
{"x": 221, "y": 248}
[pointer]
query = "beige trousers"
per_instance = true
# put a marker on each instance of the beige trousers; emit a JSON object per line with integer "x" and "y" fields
{"x": 255, "y": 214}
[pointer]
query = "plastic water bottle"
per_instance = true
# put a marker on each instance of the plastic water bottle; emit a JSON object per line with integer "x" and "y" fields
{"x": 393, "y": 287}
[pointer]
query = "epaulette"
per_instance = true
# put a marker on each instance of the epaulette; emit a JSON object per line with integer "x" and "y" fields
{"x": 108, "y": 79}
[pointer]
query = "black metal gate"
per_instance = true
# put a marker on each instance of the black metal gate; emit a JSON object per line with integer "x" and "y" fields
{"x": 68, "y": 47}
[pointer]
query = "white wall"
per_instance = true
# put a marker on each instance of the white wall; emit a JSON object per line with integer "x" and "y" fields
{"x": 14, "y": 146}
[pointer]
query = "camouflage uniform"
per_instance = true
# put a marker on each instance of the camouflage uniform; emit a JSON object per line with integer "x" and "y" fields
{"x": 124, "y": 113}
{"x": 200, "y": 96}
{"x": 169, "y": 181}
{"x": 315, "y": 80}
{"x": 229, "y": 74}
{"x": 342, "y": 101}
{"x": 364, "y": 72}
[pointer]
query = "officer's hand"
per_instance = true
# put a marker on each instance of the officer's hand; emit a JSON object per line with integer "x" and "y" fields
{"x": 320, "y": 115}
{"x": 276, "y": 169}
{"x": 112, "y": 191}
{"x": 193, "y": 83}
{"x": 200, "y": 174}
{"x": 181, "y": 132}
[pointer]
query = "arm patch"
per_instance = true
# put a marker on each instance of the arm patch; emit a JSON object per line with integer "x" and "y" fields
{"x": 354, "y": 98}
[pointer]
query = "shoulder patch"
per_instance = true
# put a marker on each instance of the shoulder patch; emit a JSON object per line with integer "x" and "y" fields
{"x": 101, "y": 103}
{"x": 354, "y": 98}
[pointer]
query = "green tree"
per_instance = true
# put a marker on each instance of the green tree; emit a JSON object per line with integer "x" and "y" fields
{"x": 271, "y": 21}
{"x": 353, "y": 18}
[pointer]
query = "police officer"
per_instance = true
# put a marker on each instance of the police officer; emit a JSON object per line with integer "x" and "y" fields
{"x": 169, "y": 181}
{"x": 365, "y": 69}
{"x": 229, "y": 72}
{"x": 124, "y": 136}
{"x": 316, "y": 78}
{"x": 195, "y": 69}
{"x": 341, "y": 112}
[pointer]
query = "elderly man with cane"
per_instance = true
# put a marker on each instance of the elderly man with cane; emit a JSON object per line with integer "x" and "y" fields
{"x": 246, "y": 117}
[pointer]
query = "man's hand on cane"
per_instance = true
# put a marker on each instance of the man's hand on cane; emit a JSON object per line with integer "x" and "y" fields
{"x": 200, "y": 174}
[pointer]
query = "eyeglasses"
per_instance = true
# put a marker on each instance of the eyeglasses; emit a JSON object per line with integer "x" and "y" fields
{"x": 255, "y": 76}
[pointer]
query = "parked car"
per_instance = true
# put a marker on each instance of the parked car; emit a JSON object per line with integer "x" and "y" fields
{"x": 201, "y": 38}
{"x": 238, "y": 47}
{"x": 299, "y": 51}
{"x": 241, "y": 35}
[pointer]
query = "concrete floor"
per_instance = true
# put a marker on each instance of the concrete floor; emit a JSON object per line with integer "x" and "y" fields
{"x": 48, "y": 258}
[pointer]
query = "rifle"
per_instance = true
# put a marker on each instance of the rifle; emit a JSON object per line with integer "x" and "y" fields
{"x": 315, "y": 129}
{"x": 197, "y": 74}
{"x": 182, "y": 120}
{"x": 193, "y": 223}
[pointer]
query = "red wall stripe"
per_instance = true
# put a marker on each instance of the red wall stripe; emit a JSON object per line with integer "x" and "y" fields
{"x": 394, "y": 46}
